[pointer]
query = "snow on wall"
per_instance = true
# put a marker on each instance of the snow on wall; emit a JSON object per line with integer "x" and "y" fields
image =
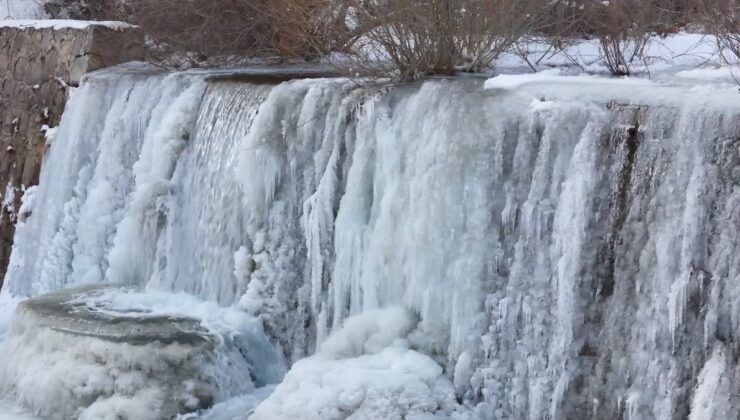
{"x": 560, "y": 249}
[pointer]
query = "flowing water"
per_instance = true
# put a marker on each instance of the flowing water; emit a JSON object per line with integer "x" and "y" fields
{"x": 562, "y": 253}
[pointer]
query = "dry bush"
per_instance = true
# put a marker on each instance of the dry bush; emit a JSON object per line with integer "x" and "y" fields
{"x": 74, "y": 9}
{"x": 193, "y": 33}
{"x": 723, "y": 20}
{"x": 404, "y": 38}
{"x": 623, "y": 33}
{"x": 624, "y": 29}
{"x": 564, "y": 24}
{"x": 430, "y": 37}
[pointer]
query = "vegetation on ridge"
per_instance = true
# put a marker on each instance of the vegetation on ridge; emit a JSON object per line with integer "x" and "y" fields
{"x": 409, "y": 39}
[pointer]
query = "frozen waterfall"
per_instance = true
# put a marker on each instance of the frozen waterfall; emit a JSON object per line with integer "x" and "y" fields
{"x": 542, "y": 252}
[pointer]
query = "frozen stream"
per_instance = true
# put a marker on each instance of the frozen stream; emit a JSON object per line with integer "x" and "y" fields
{"x": 540, "y": 247}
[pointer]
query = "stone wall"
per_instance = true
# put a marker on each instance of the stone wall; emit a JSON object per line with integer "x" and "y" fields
{"x": 39, "y": 63}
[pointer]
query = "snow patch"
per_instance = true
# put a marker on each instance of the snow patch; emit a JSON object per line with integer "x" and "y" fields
{"x": 62, "y": 24}
{"x": 710, "y": 74}
{"x": 49, "y": 133}
{"x": 515, "y": 81}
{"x": 662, "y": 55}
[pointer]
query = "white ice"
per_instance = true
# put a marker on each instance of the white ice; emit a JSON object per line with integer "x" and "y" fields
{"x": 368, "y": 370}
{"x": 485, "y": 218}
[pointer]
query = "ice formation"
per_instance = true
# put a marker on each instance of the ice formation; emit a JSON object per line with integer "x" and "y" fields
{"x": 365, "y": 370}
{"x": 96, "y": 353}
{"x": 543, "y": 248}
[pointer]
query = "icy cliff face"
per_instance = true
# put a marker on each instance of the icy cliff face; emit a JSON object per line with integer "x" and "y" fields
{"x": 561, "y": 257}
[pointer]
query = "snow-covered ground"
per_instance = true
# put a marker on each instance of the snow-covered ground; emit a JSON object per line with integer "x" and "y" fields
{"x": 60, "y": 24}
{"x": 664, "y": 57}
{"x": 678, "y": 67}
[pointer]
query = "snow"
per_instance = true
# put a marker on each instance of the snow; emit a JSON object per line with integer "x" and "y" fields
{"x": 8, "y": 203}
{"x": 688, "y": 61}
{"x": 709, "y": 74}
{"x": 715, "y": 89}
{"x": 49, "y": 133}
{"x": 365, "y": 370}
{"x": 677, "y": 51}
{"x": 20, "y": 9}
{"x": 61, "y": 24}
{"x": 516, "y": 81}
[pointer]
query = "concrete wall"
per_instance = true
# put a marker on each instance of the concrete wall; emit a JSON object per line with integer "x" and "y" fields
{"x": 38, "y": 65}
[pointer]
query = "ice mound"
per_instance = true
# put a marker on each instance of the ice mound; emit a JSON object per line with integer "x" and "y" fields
{"x": 365, "y": 370}
{"x": 121, "y": 354}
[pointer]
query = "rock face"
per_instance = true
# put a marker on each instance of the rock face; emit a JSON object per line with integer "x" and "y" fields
{"x": 38, "y": 65}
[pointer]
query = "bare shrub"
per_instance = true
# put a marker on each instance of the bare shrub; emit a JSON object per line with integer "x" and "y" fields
{"x": 73, "y": 9}
{"x": 408, "y": 39}
{"x": 311, "y": 28}
{"x": 564, "y": 24}
{"x": 623, "y": 29}
{"x": 723, "y": 20}
{"x": 427, "y": 37}
{"x": 193, "y": 33}
{"x": 622, "y": 40}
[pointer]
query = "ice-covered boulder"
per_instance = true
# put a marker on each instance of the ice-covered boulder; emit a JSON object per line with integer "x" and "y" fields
{"x": 100, "y": 353}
